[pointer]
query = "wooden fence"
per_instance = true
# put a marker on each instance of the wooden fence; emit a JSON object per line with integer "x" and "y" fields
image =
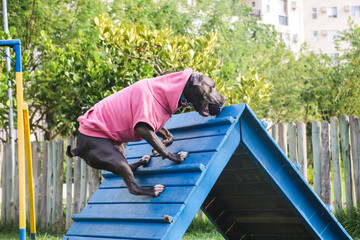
{"x": 59, "y": 183}
{"x": 63, "y": 186}
{"x": 333, "y": 149}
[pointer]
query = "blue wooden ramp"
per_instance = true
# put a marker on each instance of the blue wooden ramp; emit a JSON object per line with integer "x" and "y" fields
{"x": 235, "y": 171}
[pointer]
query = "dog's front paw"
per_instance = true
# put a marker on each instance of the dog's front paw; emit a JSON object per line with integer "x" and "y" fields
{"x": 177, "y": 157}
{"x": 145, "y": 160}
{"x": 183, "y": 155}
{"x": 158, "y": 189}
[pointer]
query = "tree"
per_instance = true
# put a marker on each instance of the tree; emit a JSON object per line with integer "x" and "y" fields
{"x": 161, "y": 50}
{"x": 61, "y": 21}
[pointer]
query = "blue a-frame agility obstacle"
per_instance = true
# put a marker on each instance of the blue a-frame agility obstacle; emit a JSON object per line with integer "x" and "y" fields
{"x": 235, "y": 171}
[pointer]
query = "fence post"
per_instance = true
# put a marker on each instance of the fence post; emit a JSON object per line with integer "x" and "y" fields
{"x": 69, "y": 163}
{"x": 36, "y": 160}
{"x": 58, "y": 209}
{"x": 3, "y": 186}
{"x": 283, "y": 137}
{"x": 274, "y": 133}
{"x": 93, "y": 180}
{"x": 348, "y": 175}
{"x": 50, "y": 187}
{"x": 1, "y": 162}
{"x": 44, "y": 190}
{"x": 355, "y": 153}
{"x": 325, "y": 163}
{"x": 54, "y": 184}
{"x": 316, "y": 145}
{"x": 77, "y": 178}
{"x": 301, "y": 127}
{"x": 292, "y": 142}
{"x": 83, "y": 186}
{"x": 335, "y": 154}
{"x": 8, "y": 204}
{"x": 14, "y": 214}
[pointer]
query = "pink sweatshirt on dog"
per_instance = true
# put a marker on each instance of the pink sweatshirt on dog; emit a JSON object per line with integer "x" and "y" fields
{"x": 152, "y": 101}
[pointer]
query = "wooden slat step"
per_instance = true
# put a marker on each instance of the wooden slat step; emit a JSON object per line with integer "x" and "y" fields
{"x": 93, "y": 238}
{"x": 129, "y": 211}
{"x": 168, "y": 179}
{"x": 183, "y": 168}
{"x": 241, "y": 175}
{"x": 143, "y": 219}
{"x": 266, "y": 228}
{"x": 122, "y": 195}
{"x": 243, "y": 189}
{"x": 250, "y": 202}
{"x": 193, "y": 133}
{"x": 193, "y": 158}
{"x": 192, "y": 145}
{"x": 259, "y": 216}
{"x": 207, "y": 122}
{"x": 118, "y": 230}
{"x": 183, "y": 121}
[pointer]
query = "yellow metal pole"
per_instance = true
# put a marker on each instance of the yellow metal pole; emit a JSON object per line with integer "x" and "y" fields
{"x": 29, "y": 172}
{"x": 21, "y": 155}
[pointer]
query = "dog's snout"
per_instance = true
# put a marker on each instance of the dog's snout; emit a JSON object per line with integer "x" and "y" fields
{"x": 214, "y": 109}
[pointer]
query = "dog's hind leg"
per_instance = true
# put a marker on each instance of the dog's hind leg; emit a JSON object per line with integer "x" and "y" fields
{"x": 100, "y": 153}
{"x": 144, "y": 161}
{"x": 123, "y": 169}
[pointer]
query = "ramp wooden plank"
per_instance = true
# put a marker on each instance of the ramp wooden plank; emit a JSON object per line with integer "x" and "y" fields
{"x": 118, "y": 230}
{"x": 129, "y": 211}
{"x": 194, "y": 132}
{"x": 179, "y": 168}
{"x": 93, "y": 238}
{"x": 184, "y": 179}
{"x": 193, "y": 158}
{"x": 122, "y": 195}
{"x": 204, "y": 144}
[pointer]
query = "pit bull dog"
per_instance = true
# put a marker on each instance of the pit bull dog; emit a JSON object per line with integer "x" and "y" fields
{"x": 138, "y": 112}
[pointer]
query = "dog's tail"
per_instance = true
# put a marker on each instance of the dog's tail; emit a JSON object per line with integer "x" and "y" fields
{"x": 71, "y": 152}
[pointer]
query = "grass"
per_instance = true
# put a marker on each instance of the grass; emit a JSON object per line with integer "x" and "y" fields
{"x": 350, "y": 221}
{"x": 198, "y": 230}
{"x": 203, "y": 229}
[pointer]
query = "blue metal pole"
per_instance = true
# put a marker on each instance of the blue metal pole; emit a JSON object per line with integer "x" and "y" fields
{"x": 10, "y": 98}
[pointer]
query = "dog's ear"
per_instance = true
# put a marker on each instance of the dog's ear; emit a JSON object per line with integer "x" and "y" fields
{"x": 196, "y": 79}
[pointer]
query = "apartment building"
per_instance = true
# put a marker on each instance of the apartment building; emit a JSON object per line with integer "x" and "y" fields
{"x": 317, "y": 22}
{"x": 325, "y": 19}
{"x": 285, "y": 15}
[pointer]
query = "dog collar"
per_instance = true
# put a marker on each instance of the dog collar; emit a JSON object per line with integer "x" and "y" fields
{"x": 184, "y": 102}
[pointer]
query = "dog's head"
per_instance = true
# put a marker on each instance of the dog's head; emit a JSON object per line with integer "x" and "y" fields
{"x": 201, "y": 93}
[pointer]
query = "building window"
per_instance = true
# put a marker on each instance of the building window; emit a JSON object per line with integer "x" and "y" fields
{"x": 316, "y": 39}
{"x": 268, "y": 8}
{"x": 314, "y": 13}
{"x": 355, "y": 11}
{"x": 332, "y": 12}
{"x": 253, "y": 4}
{"x": 332, "y": 35}
{"x": 283, "y": 20}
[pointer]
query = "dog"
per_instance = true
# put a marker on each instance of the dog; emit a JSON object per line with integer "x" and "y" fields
{"x": 138, "y": 112}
